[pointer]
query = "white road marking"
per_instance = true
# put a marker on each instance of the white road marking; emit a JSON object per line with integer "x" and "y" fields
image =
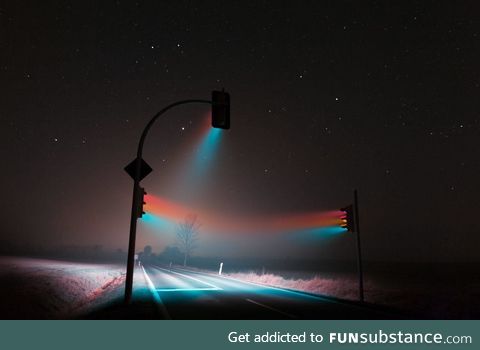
{"x": 271, "y": 308}
{"x": 299, "y": 293}
{"x": 262, "y": 285}
{"x": 158, "y": 301}
{"x": 171, "y": 280}
{"x": 190, "y": 277}
{"x": 183, "y": 289}
{"x": 227, "y": 283}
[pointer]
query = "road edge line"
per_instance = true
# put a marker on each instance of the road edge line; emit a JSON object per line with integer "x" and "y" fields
{"x": 156, "y": 297}
{"x": 298, "y": 292}
{"x": 343, "y": 302}
{"x": 190, "y": 277}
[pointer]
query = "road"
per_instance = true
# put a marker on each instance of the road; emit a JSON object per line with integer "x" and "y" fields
{"x": 183, "y": 294}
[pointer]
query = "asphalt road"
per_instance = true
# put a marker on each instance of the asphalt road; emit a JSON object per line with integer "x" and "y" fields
{"x": 183, "y": 294}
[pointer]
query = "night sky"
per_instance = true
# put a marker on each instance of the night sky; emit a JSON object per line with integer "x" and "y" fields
{"x": 382, "y": 96}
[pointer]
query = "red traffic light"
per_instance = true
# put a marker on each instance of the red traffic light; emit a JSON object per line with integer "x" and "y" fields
{"x": 348, "y": 219}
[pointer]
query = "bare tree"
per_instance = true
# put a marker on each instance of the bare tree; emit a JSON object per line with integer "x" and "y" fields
{"x": 187, "y": 235}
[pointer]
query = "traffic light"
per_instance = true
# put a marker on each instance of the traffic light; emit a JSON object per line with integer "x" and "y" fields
{"x": 348, "y": 219}
{"x": 140, "y": 202}
{"x": 221, "y": 109}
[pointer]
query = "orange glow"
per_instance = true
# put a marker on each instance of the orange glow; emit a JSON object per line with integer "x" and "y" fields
{"x": 222, "y": 223}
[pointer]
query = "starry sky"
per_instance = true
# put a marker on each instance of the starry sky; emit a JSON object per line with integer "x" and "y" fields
{"x": 382, "y": 96}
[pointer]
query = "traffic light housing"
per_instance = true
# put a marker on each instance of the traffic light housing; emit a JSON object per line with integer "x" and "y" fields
{"x": 140, "y": 202}
{"x": 221, "y": 109}
{"x": 348, "y": 219}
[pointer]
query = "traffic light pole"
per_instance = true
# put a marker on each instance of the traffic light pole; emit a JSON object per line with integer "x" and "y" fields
{"x": 359, "y": 250}
{"x": 136, "y": 187}
{"x": 131, "y": 241}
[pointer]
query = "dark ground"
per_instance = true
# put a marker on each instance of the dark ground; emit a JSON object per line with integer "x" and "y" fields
{"x": 52, "y": 289}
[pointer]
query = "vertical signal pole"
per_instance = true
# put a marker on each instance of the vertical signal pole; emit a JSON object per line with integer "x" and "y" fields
{"x": 138, "y": 169}
{"x": 132, "y": 237}
{"x": 359, "y": 250}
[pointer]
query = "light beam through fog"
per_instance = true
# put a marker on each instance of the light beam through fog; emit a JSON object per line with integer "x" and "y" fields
{"x": 157, "y": 222}
{"x": 196, "y": 167}
{"x": 161, "y": 212}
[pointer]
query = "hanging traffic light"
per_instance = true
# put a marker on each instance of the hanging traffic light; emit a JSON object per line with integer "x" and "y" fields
{"x": 140, "y": 201}
{"x": 221, "y": 109}
{"x": 347, "y": 219}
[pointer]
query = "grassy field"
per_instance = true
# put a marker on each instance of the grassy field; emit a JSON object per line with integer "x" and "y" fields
{"x": 454, "y": 294}
{"x": 51, "y": 289}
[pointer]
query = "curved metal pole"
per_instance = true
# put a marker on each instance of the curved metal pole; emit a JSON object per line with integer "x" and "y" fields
{"x": 136, "y": 189}
{"x": 156, "y": 116}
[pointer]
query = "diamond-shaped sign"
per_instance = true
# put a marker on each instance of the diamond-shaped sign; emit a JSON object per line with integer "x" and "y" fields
{"x": 145, "y": 169}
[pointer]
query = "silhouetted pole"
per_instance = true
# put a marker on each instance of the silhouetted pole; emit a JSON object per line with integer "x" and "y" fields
{"x": 136, "y": 187}
{"x": 132, "y": 238}
{"x": 359, "y": 248}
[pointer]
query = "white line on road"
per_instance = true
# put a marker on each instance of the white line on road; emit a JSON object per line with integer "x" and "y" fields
{"x": 290, "y": 291}
{"x": 192, "y": 278}
{"x": 171, "y": 280}
{"x": 271, "y": 308}
{"x": 156, "y": 297}
{"x": 299, "y": 293}
{"x": 183, "y": 289}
